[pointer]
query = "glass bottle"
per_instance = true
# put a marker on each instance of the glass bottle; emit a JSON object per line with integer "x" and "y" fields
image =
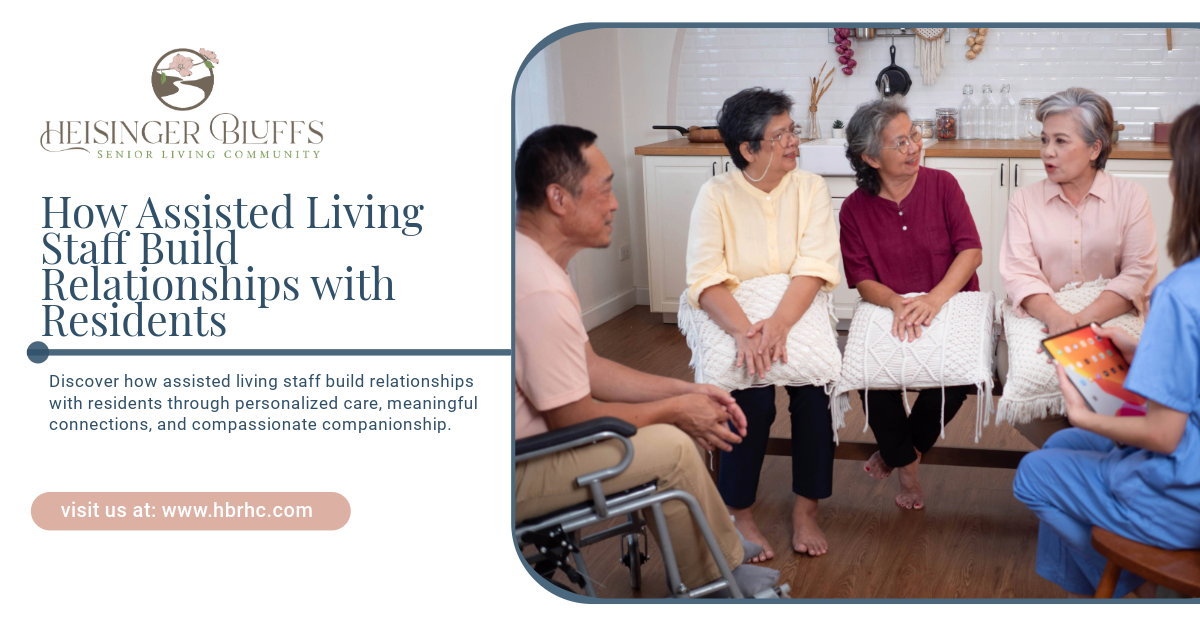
{"x": 966, "y": 115}
{"x": 1006, "y": 115}
{"x": 986, "y": 117}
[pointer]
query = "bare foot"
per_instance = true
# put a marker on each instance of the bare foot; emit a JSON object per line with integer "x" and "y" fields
{"x": 744, "y": 522}
{"x": 911, "y": 496}
{"x": 877, "y": 468}
{"x": 807, "y": 537}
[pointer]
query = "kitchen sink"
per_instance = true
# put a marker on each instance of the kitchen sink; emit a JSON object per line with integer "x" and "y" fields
{"x": 828, "y": 156}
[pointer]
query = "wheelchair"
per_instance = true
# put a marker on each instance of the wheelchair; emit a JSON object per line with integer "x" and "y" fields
{"x": 555, "y": 536}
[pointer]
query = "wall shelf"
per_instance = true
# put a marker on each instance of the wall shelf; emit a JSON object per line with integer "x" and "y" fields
{"x": 885, "y": 33}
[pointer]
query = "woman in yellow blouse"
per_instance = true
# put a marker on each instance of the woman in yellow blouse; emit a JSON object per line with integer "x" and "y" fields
{"x": 767, "y": 218}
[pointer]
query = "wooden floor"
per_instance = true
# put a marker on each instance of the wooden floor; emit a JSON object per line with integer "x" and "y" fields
{"x": 972, "y": 540}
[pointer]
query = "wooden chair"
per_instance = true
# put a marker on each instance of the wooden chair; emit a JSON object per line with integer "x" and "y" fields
{"x": 1176, "y": 570}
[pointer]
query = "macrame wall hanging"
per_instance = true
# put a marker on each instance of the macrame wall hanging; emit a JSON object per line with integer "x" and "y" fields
{"x": 931, "y": 53}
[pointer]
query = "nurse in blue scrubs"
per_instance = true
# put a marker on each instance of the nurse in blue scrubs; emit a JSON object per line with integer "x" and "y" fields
{"x": 1138, "y": 477}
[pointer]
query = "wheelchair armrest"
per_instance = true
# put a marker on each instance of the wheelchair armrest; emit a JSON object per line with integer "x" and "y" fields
{"x": 564, "y": 435}
{"x": 586, "y": 433}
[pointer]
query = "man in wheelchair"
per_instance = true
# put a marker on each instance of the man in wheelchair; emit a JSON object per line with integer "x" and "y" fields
{"x": 566, "y": 204}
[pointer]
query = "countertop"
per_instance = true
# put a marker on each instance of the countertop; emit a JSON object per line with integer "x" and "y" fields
{"x": 683, "y": 148}
{"x": 1128, "y": 149}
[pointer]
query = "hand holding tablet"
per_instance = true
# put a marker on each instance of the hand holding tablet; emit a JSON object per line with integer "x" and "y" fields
{"x": 1097, "y": 367}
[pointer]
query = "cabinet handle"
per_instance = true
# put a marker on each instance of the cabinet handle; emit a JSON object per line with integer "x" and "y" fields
{"x": 1016, "y": 175}
{"x": 1001, "y": 175}
{"x": 727, "y": 166}
{"x": 714, "y": 168}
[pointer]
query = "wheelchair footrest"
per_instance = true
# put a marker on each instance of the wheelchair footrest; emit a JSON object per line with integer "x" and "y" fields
{"x": 554, "y": 546}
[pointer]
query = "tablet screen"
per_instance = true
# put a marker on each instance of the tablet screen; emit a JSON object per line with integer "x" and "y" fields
{"x": 1098, "y": 371}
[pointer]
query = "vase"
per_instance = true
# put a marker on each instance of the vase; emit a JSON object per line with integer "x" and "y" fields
{"x": 814, "y": 126}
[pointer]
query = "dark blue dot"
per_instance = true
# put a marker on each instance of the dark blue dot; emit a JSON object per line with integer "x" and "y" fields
{"x": 37, "y": 352}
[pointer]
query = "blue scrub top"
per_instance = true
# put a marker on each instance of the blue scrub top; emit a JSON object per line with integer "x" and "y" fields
{"x": 1163, "y": 491}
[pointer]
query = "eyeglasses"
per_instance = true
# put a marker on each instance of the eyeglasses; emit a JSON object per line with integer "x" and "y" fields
{"x": 913, "y": 138}
{"x": 791, "y": 133}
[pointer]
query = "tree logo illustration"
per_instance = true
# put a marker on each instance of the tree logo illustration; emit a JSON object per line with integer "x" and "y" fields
{"x": 183, "y": 78}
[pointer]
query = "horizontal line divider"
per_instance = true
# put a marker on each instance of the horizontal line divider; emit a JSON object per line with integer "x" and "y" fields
{"x": 279, "y": 352}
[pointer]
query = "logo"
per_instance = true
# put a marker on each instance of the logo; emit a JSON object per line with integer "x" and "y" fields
{"x": 183, "y": 78}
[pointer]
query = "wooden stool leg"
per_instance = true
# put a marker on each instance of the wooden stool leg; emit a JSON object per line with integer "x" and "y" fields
{"x": 1108, "y": 581}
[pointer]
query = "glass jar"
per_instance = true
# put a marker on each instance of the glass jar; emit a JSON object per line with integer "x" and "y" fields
{"x": 1027, "y": 122}
{"x": 947, "y": 123}
{"x": 926, "y": 127}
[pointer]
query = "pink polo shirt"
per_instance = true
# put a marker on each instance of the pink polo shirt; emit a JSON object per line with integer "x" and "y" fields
{"x": 1048, "y": 243}
{"x": 551, "y": 349}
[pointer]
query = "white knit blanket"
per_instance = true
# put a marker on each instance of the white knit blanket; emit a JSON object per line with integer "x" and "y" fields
{"x": 1031, "y": 389}
{"x": 813, "y": 356}
{"x": 954, "y": 350}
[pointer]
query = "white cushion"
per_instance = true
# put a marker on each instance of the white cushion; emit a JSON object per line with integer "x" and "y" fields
{"x": 954, "y": 350}
{"x": 1031, "y": 387}
{"x": 813, "y": 356}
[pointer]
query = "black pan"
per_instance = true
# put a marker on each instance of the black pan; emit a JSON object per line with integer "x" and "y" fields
{"x": 704, "y": 134}
{"x": 898, "y": 81}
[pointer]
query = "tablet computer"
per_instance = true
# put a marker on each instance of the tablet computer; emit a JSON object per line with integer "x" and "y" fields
{"x": 1097, "y": 369}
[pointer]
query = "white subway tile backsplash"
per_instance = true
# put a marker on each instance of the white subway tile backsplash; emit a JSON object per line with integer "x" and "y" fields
{"x": 1185, "y": 36}
{"x": 1130, "y": 66}
{"x": 1149, "y": 54}
{"x": 1132, "y": 37}
{"x": 1145, "y": 114}
{"x": 1181, "y": 53}
{"x": 1179, "y": 84}
{"x": 1147, "y": 83}
{"x": 1169, "y": 68}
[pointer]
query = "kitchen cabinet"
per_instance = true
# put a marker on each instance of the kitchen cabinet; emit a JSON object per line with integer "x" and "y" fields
{"x": 988, "y": 183}
{"x": 671, "y": 186}
{"x": 1152, "y": 175}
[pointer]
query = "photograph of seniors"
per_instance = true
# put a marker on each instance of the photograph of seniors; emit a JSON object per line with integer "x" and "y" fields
{"x": 779, "y": 297}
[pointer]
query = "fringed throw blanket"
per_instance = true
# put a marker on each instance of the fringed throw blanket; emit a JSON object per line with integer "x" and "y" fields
{"x": 813, "y": 356}
{"x": 954, "y": 350}
{"x": 1031, "y": 389}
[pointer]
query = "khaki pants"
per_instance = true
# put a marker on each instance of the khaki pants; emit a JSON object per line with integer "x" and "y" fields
{"x": 661, "y": 452}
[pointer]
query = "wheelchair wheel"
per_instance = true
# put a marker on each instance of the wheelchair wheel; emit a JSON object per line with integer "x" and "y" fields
{"x": 633, "y": 557}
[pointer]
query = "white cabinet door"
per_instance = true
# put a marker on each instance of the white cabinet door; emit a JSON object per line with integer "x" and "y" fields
{"x": 985, "y": 183}
{"x": 1026, "y": 172}
{"x": 726, "y": 165}
{"x": 672, "y": 184}
{"x": 844, "y": 297}
{"x": 1151, "y": 174}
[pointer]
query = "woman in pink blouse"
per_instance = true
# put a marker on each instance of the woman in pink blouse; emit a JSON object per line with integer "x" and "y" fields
{"x": 1078, "y": 225}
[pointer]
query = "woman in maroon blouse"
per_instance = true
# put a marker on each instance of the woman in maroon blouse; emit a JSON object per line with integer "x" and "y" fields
{"x": 905, "y": 229}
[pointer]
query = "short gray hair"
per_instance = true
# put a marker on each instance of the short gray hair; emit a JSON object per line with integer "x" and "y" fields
{"x": 1091, "y": 112}
{"x": 864, "y": 136}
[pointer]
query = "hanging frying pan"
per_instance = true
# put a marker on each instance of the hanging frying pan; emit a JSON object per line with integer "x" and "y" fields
{"x": 898, "y": 81}
{"x": 705, "y": 134}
